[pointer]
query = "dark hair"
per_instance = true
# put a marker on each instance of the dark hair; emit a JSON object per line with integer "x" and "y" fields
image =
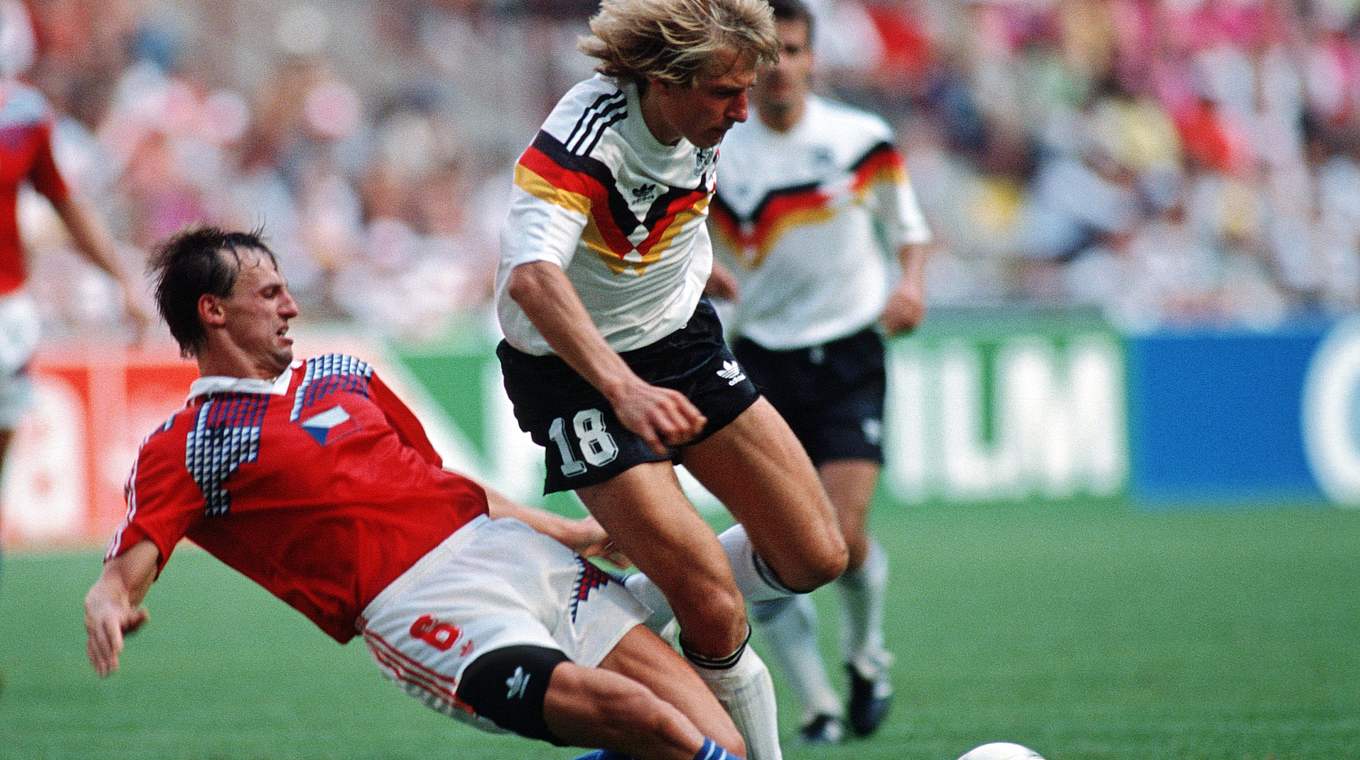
{"x": 793, "y": 10}
{"x": 187, "y": 266}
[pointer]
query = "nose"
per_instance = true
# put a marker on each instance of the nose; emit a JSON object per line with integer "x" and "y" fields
{"x": 737, "y": 109}
{"x": 288, "y": 308}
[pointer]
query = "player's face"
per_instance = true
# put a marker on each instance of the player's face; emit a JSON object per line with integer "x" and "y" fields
{"x": 785, "y": 85}
{"x": 257, "y": 314}
{"x": 703, "y": 113}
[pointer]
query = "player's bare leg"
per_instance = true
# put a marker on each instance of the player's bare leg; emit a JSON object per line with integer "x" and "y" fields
{"x": 757, "y": 468}
{"x": 850, "y": 484}
{"x": 789, "y": 627}
{"x": 645, "y": 658}
{"x": 650, "y": 520}
{"x": 593, "y": 707}
{"x": 862, "y": 589}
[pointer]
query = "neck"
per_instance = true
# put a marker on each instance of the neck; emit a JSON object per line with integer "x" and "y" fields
{"x": 782, "y": 118}
{"x": 222, "y": 364}
{"x": 652, "y": 116}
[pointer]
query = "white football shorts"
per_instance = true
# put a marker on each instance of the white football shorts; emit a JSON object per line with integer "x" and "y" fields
{"x": 490, "y": 585}
{"x": 19, "y": 327}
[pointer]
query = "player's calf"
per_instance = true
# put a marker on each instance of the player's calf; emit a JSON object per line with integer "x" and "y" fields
{"x": 589, "y": 706}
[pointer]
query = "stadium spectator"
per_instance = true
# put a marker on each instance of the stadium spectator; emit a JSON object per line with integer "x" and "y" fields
{"x": 312, "y": 479}
{"x": 294, "y": 114}
{"x": 616, "y": 364}
{"x": 813, "y": 200}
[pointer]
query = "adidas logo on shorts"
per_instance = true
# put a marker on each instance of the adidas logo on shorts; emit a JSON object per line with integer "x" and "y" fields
{"x": 731, "y": 373}
{"x": 517, "y": 684}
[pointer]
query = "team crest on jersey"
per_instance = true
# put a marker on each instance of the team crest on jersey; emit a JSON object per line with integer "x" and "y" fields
{"x": 704, "y": 159}
{"x": 588, "y": 578}
{"x": 319, "y": 426}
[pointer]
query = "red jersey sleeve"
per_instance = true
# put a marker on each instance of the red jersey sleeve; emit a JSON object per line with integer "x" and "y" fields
{"x": 44, "y": 175}
{"x": 403, "y": 420}
{"x": 163, "y": 501}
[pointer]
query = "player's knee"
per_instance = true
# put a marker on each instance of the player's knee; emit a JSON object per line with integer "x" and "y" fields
{"x": 713, "y": 619}
{"x": 817, "y": 566}
{"x": 857, "y": 548}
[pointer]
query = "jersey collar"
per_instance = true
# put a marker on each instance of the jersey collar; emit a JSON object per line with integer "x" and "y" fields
{"x": 223, "y": 384}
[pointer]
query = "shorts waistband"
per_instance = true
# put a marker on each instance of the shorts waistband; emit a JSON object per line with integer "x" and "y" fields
{"x": 867, "y": 334}
{"x": 422, "y": 567}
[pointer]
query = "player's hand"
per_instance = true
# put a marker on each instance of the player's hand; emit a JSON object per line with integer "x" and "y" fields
{"x": 906, "y": 308}
{"x": 107, "y": 621}
{"x": 591, "y": 540}
{"x": 660, "y": 416}
{"x": 722, "y": 284}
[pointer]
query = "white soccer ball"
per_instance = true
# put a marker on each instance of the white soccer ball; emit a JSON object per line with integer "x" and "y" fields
{"x": 1001, "y": 751}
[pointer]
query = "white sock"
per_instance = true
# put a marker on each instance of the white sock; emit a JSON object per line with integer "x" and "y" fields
{"x": 862, "y": 593}
{"x": 788, "y": 628}
{"x": 755, "y": 580}
{"x": 742, "y": 684}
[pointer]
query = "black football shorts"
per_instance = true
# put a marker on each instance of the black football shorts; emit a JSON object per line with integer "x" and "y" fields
{"x": 831, "y": 394}
{"x": 584, "y": 442}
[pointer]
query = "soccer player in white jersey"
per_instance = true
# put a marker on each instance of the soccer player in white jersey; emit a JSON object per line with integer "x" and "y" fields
{"x": 812, "y": 203}
{"x": 617, "y": 366}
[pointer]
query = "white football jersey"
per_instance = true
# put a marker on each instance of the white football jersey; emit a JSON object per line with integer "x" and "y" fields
{"x": 808, "y": 220}
{"x": 621, "y": 213}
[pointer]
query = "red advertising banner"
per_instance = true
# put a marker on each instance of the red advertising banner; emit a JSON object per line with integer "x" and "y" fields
{"x": 70, "y": 458}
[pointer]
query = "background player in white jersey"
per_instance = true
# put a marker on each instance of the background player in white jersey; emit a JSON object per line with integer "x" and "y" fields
{"x": 617, "y": 366}
{"x": 314, "y": 480}
{"x": 812, "y": 202}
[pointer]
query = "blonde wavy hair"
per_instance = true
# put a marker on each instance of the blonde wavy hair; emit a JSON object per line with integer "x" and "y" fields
{"x": 674, "y": 40}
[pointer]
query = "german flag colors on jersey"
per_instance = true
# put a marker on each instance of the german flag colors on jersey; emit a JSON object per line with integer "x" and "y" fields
{"x": 807, "y": 220}
{"x": 621, "y": 213}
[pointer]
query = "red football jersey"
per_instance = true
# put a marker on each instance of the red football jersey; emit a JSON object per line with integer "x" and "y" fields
{"x": 322, "y": 486}
{"x": 25, "y": 156}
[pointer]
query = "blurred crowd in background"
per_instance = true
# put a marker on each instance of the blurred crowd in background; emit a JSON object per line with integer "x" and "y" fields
{"x": 1170, "y": 162}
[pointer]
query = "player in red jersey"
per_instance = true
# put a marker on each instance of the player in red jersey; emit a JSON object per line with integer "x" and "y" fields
{"x": 26, "y": 158}
{"x": 312, "y": 479}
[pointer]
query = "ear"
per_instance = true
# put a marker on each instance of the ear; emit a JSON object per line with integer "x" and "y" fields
{"x": 211, "y": 311}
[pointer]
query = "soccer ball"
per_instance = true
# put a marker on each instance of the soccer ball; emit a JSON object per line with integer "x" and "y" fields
{"x": 1001, "y": 751}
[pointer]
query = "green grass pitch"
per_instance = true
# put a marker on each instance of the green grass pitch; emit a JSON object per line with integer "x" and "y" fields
{"x": 1084, "y": 631}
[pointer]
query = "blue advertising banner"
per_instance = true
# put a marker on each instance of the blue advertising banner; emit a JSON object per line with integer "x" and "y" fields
{"x": 1224, "y": 417}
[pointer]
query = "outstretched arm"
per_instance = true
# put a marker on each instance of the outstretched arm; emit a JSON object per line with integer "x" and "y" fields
{"x": 93, "y": 241}
{"x": 112, "y": 606}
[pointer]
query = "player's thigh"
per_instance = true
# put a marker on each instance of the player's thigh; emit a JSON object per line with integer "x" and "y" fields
{"x": 759, "y": 470}
{"x": 476, "y": 627}
{"x": 649, "y": 519}
{"x": 850, "y": 483}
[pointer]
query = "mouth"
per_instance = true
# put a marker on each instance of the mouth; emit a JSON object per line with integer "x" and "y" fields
{"x": 282, "y": 334}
